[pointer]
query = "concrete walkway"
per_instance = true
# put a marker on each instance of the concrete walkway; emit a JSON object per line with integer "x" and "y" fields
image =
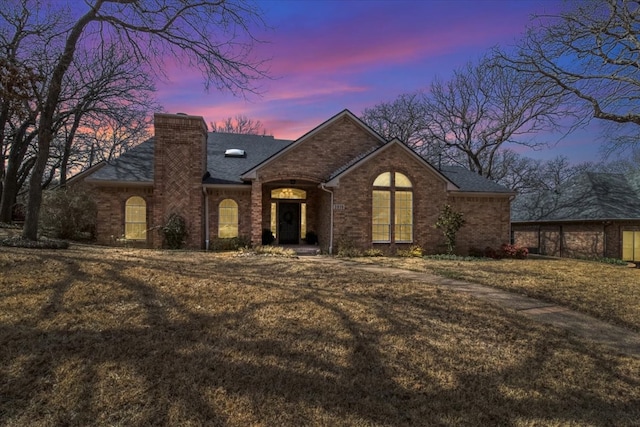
{"x": 618, "y": 338}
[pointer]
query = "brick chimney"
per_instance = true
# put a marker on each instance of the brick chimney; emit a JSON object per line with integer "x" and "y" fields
{"x": 180, "y": 157}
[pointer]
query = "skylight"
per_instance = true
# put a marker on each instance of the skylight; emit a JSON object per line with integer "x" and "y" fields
{"x": 235, "y": 152}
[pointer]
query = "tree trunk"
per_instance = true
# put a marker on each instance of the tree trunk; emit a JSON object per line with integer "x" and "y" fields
{"x": 11, "y": 179}
{"x": 30, "y": 230}
{"x": 4, "y": 115}
{"x": 45, "y": 133}
{"x": 9, "y": 194}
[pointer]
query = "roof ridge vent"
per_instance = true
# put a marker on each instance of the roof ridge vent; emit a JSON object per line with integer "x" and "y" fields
{"x": 235, "y": 152}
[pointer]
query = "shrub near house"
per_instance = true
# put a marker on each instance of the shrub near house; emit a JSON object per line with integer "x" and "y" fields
{"x": 505, "y": 251}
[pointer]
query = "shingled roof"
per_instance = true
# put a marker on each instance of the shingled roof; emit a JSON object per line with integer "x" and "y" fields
{"x": 471, "y": 182}
{"x": 587, "y": 197}
{"x": 136, "y": 165}
{"x": 228, "y": 170}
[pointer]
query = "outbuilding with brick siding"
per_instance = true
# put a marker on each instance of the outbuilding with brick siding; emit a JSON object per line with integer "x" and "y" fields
{"x": 593, "y": 215}
{"x": 340, "y": 183}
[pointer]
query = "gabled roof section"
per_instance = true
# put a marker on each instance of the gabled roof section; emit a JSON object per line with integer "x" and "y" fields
{"x": 587, "y": 197}
{"x": 229, "y": 169}
{"x": 251, "y": 173}
{"x": 457, "y": 178}
{"x": 354, "y": 163}
{"x": 134, "y": 166}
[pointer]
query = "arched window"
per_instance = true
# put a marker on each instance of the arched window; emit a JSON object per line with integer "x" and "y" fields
{"x": 288, "y": 193}
{"x": 228, "y": 219}
{"x": 135, "y": 219}
{"x": 392, "y": 208}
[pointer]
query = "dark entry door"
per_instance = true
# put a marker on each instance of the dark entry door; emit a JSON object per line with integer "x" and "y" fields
{"x": 289, "y": 223}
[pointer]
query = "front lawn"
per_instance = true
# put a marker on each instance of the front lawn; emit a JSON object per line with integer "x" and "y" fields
{"x": 609, "y": 292}
{"x": 99, "y": 336}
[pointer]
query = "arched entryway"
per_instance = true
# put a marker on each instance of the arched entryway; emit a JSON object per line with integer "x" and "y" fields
{"x": 288, "y": 214}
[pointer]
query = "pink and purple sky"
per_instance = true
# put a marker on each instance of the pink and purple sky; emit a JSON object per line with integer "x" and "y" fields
{"x": 330, "y": 55}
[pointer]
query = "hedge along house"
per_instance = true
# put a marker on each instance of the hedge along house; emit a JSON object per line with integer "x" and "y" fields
{"x": 594, "y": 215}
{"x": 342, "y": 181}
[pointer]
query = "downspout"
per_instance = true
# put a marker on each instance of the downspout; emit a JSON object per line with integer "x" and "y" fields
{"x": 206, "y": 219}
{"x": 540, "y": 240}
{"x": 512, "y": 236}
{"x": 604, "y": 239}
{"x": 322, "y": 187}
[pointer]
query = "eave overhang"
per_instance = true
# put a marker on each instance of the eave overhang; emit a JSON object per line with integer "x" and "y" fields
{"x": 108, "y": 183}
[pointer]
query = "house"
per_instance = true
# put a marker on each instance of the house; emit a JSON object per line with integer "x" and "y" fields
{"x": 341, "y": 180}
{"x": 593, "y": 215}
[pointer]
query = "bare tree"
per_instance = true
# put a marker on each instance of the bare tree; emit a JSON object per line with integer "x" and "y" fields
{"x": 100, "y": 88}
{"x": 405, "y": 118}
{"x": 239, "y": 124}
{"x": 484, "y": 107}
{"x": 112, "y": 135}
{"x": 20, "y": 80}
{"x": 212, "y": 36}
{"x": 472, "y": 118}
{"x": 591, "y": 52}
{"x": 516, "y": 172}
{"x": 540, "y": 197}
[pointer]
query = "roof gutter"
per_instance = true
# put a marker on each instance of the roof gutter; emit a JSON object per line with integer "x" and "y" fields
{"x": 324, "y": 188}
{"x": 228, "y": 186}
{"x": 119, "y": 183}
{"x": 550, "y": 221}
{"x": 206, "y": 218}
{"x": 511, "y": 194}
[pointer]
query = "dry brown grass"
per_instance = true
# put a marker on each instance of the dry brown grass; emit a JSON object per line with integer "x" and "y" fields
{"x": 609, "y": 292}
{"x": 96, "y": 336}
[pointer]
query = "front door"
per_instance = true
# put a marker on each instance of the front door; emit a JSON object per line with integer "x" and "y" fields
{"x": 288, "y": 223}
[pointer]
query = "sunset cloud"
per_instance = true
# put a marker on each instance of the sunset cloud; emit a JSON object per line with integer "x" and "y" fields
{"x": 326, "y": 56}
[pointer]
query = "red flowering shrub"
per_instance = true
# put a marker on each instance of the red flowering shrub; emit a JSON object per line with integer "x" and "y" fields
{"x": 505, "y": 251}
{"x": 513, "y": 251}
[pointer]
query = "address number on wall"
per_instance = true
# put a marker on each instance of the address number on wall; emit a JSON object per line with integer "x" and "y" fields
{"x": 338, "y": 207}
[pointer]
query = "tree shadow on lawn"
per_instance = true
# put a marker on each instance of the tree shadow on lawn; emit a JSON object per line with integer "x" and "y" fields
{"x": 322, "y": 347}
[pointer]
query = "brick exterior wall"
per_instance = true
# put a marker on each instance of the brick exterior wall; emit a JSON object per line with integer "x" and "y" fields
{"x": 256, "y": 212}
{"x": 242, "y": 197}
{"x": 596, "y": 239}
{"x": 487, "y": 217}
{"x": 110, "y": 203}
{"x": 110, "y": 220}
{"x": 354, "y": 196}
{"x": 320, "y": 155}
{"x": 333, "y": 147}
{"x": 180, "y": 163}
{"x": 487, "y": 221}
{"x": 310, "y": 163}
